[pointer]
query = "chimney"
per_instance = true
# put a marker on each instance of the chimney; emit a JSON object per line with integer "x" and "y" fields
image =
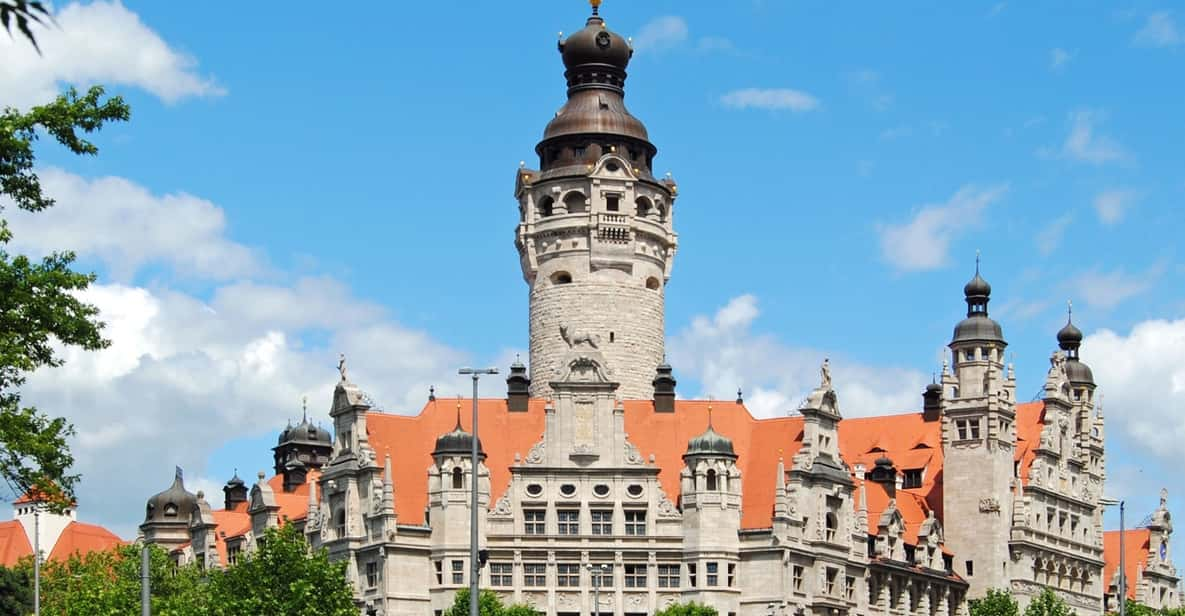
{"x": 664, "y": 389}
{"x": 932, "y": 402}
{"x": 517, "y": 388}
{"x": 885, "y": 474}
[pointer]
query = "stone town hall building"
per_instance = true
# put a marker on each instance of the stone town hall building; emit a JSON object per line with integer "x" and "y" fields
{"x": 591, "y": 463}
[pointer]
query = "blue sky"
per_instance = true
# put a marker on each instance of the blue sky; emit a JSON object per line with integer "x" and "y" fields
{"x": 298, "y": 183}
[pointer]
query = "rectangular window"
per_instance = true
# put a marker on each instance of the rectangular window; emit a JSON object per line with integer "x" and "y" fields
{"x": 612, "y": 203}
{"x": 970, "y": 568}
{"x": 439, "y": 572}
{"x": 668, "y": 576}
{"x": 974, "y": 425}
{"x": 635, "y": 523}
{"x": 798, "y": 575}
{"x": 458, "y": 572}
{"x": 232, "y": 553}
{"x": 602, "y": 522}
{"x": 713, "y": 574}
{"x": 372, "y": 574}
{"x": 568, "y": 522}
{"x": 578, "y": 152}
{"x": 850, "y": 588}
{"x": 635, "y": 576}
{"x": 534, "y": 574}
{"x": 832, "y": 576}
{"x": 501, "y": 574}
{"x": 961, "y": 426}
{"x": 534, "y": 522}
{"x": 603, "y": 575}
{"x": 691, "y": 575}
{"x": 913, "y": 478}
{"x": 732, "y": 575}
{"x": 567, "y": 575}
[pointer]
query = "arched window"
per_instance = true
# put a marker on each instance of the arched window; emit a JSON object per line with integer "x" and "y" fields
{"x": 171, "y": 510}
{"x": 642, "y": 207}
{"x": 576, "y": 202}
{"x": 561, "y": 277}
{"x": 545, "y": 206}
{"x": 712, "y": 483}
{"x": 458, "y": 478}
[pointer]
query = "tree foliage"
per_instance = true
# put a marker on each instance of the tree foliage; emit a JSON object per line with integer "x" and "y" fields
{"x": 16, "y": 591}
{"x": 1139, "y": 609}
{"x": 22, "y": 13}
{"x": 995, "y": 603}
{"x": 108, "y": 582}
{"x": 488, "y": 604}
{"x": 39, "y": 306}
{"x": 1048, "y": 604}
{"x": 282, "y": 577}
{"x": 690, "y": 608}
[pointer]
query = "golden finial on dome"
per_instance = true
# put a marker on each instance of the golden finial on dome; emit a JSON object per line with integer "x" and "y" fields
{"x": 596, "y": 5}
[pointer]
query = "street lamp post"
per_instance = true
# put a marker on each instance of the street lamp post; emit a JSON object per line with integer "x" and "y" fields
{"x": 37, "y": 559}
{"x": 145, "y": 581}
{"x": 1122, "y": 556}
{"x": 595, "y": 573}
{"x": 474, "y": 569}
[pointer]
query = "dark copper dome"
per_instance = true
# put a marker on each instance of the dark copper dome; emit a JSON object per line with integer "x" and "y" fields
{"x": 596, "y": 45}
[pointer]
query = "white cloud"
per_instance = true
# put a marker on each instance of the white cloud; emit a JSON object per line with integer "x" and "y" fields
{"x": 722, "y": 353}
{"x": 661, "y": 33}
{"x": 1160, "y": 30}
{"x": 1142, "y": 375}
{"x": 128, "y": 227}
{"x": 923, "y": 243}
{"x": 1109, "y": 289}
{"x": 186, "y": 374}
{"x": 102, "y": 42}
{"x": 1059, "y": 58}
{"x": 1084, "y": 145}
{"x": 776, "y": 99}
{"x": 1111, "y": 205}
{"x": 1050, "y": 237}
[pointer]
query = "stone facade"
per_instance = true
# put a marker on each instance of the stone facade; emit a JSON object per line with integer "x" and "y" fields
{"x": 597, "y": 493}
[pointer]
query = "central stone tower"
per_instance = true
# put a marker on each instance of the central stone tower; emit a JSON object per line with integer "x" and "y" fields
{"x": 595, "y": 235}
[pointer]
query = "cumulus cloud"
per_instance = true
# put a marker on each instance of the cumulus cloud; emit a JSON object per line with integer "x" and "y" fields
{"x": 1107, "y": 289}
{"x": 923, "y": 243}
{"x": 127, "y": 227}
{"x": 1160, "y": 30}
{"x": 774, "y": 99}
{"x": 1142, "y": 374}
{"x": 661, "y": 33}
{"x": 101, "y": 42}
{"x": 1083, "y": 144}
{"x": 722, "y": 353}
{"x": 1111, "y": 205}
{"x": 186, "y": 374}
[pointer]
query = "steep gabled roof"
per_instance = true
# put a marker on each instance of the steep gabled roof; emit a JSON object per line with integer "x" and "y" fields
{"x": 1136, "y": 546}
{"x": 80, "y": 538}
{"x": 14, "y": 543}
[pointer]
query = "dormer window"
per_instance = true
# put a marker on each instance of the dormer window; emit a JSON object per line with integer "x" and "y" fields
{"x": 913, "y": 478}
{"x": 171, "y": 510}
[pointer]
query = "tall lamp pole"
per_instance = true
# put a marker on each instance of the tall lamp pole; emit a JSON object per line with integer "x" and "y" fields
{"x": 1122, "y": 555}
{"x": 595, "y": 573}
{"x": 37, "y": 559}
{"x": 474, "y": 567}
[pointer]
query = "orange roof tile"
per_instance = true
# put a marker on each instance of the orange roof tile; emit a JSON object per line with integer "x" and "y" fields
{"x": 409, "y": 441}
{"x": 1030, "y": 420}
{"x": 1136, "y": 546}
{"x": 82, "y": 538}
{"x": 14, "y": 543}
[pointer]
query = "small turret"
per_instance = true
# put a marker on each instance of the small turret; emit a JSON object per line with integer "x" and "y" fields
{"x": 932, "y": 402}
{"x": 518, "y": 388}
{"x": 664, "y": 389}
{"x": 234, "y": 492}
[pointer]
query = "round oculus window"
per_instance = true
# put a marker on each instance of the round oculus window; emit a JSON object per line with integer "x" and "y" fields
{"x": 534, "y": 489}
{"x": 567, "y": 489}
{"x": 634, "y": 490}
{"x": 601, "y": 490}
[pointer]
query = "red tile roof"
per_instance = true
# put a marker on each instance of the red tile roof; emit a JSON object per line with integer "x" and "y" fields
{"x": 80, "y": 538}
{"x": 1136, "y": 545}
{"x": 14, "y": 543}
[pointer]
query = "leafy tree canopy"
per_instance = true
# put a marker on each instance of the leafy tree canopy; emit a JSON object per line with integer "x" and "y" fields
{"x": 108, "y": 582}
{"x": 488, "y": 604}
{"x": 995, "y": 603}
{"x": 16, "y": 592}
{"x": 39, "y": 304}
{"x": 1048, "y": 604}
{"x": 690, "y": 608}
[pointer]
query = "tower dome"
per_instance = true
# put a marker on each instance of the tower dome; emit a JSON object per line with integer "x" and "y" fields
{"x": 173, "y": 505}
{"x": 1069, "y": 339}
{"x": 457, "y": 442}
{"x": 977, "y": 327}
{"x": 710, "y": 443}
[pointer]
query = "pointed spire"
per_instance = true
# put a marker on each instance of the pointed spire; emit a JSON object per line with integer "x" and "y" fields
{"x": 458, "y": 428}
{"x": 304, "y": 409}
{"x": 596, "y": 5}
{"x": 388, "y": 486}
{"x": 781, "y": 507}
{"x": 431, "y": 393}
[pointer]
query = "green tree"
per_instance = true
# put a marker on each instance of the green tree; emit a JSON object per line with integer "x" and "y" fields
{"x": 39, "y": 305}
{"x": 488, "y": 604}
{"x": 690, "y": 608}
{"x": 995, "y": 603}
{"x": 108, "y": 582}
{"x": 282, "y": 577}
{"x": 16, "y": 591}
{"x": 1048, "y": 604}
